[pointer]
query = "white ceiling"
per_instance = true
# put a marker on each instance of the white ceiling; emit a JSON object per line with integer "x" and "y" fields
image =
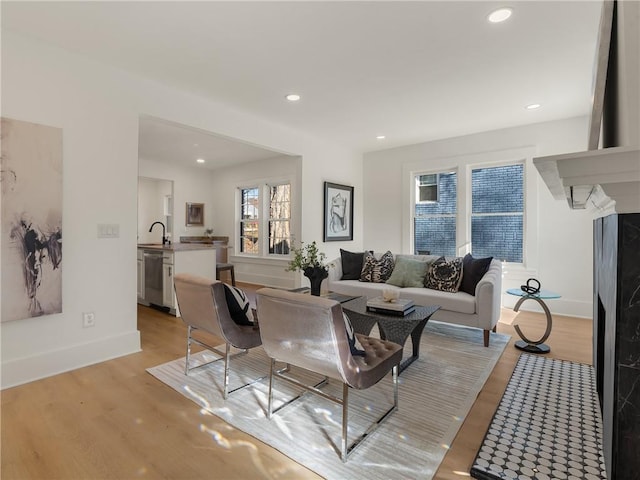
{"x": 413, "y": 71}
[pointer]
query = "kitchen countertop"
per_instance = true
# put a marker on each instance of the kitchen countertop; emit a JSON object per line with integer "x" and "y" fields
{"x": 176, "y": 247}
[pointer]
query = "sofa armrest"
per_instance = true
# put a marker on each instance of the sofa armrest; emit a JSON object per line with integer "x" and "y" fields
{"x": 489, "y": 296}
{"x": 335, "y": 271}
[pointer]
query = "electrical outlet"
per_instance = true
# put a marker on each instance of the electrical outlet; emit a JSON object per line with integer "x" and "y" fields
{"x": 88, "y": 319}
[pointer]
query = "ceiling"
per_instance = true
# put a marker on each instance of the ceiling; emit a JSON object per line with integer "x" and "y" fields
{"x": 412, "y": 71}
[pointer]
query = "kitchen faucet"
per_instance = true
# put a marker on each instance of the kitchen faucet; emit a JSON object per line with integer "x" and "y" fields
{"x": 165, "y": 240}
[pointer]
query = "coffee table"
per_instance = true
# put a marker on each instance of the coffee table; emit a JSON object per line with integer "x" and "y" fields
{"x": 393, "y": 328}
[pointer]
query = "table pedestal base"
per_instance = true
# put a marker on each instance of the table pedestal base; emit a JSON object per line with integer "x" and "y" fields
{"x": 527, "y": 347}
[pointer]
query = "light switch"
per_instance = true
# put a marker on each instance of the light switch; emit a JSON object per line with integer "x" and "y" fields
{"x": 108, "y": 230}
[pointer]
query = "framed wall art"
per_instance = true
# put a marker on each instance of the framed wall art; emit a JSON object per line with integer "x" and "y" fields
{"x": 195, "y": 215}
{"x": 338, "y": 212}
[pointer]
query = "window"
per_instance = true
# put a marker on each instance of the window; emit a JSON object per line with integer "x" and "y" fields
{"x": 275, "y": 201}
{"x": 497, "y": 211}
{"x": 279, "y": 219}
{"x": 249, "y": 218}
{"x": 435, "y": 212}
{"x": 426, "y": 188}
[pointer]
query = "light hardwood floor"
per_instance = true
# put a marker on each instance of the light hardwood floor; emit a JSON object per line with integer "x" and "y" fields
{"x": 114, "y": 421}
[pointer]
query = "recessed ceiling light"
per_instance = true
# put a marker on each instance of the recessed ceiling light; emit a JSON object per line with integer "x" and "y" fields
{"x": 499, "y": 15}
{"x": 293, "y": 97}
{"x": 533, "y": 106}
{"x": 195, "y": 144}
{"x": 200, "y": 160}
{"x": 380, "y": 137}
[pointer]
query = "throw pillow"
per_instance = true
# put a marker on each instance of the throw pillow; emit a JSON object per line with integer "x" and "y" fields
{"x": 238, "y": 305}
{"x": 408, "y": 273}
{"x": 377, "y": 271}
{"x": 473, "y": 269}
{"x": 444, "y": 275}
{"x": 351, "y": 264}
{"x": 354, "y": 344}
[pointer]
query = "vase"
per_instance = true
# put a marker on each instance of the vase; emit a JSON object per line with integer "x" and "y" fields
{"x": 315, "y": 276}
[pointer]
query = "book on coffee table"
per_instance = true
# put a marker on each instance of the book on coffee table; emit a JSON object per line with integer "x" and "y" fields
{"x": 400, "y": 306}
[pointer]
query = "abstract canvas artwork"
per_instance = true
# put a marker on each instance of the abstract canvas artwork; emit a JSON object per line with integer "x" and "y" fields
{"x": 31, "y": 229}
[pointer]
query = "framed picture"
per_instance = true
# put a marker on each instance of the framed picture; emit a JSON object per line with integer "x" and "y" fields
{"x": 195, "y": 215}
{"x": 338, "y": 212}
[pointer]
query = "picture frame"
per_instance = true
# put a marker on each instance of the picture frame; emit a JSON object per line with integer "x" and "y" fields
{"x": 338, "y": 212}
{"x": 194, "y": 216}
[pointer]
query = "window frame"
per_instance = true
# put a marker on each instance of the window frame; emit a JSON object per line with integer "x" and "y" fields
{"x": 463, "y": 165}
{"x": 264, "y": 199}
{"x": 470, "y": 213}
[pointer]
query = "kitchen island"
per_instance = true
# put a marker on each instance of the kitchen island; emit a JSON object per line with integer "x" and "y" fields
{"x": 157, "y": 264}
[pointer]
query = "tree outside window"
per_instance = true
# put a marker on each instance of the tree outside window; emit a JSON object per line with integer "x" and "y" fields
{"x": 275, "y": 201}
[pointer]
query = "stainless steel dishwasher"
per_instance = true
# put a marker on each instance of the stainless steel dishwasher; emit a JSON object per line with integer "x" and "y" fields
{"x": 153, "y": 277}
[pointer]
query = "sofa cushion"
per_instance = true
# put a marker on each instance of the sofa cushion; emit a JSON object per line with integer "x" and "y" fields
{"x": 377, "y": 271}
{"x": 444, "y": 275}
{"x": 458, "y": 302}
{"x": 473, "y": 269}
{"x": 408, "y": 272}
{"x": 351, "y": 264}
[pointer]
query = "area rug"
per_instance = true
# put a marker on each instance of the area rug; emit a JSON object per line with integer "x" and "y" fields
{"x": 436, "y": 392}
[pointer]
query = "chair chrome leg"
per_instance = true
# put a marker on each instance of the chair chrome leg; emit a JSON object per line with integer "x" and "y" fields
{"x": 270, "y": 407}
{"x": 394, "y": 375}
{"x": 345, "y": 420}
{"x": 186, "y": 363}
{"x": 227, "y": 352}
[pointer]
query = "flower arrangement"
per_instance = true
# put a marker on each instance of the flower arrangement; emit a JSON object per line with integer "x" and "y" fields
{"x": 208, "y": 232}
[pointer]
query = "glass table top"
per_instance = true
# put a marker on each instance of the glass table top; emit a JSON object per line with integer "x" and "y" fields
{"x": 546, "y": 294}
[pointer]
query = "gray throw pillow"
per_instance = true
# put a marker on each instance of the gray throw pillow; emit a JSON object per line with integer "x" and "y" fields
{"x": 377, "y": 271}
{"x": 444, "y": 275}
{"x": 408, "y": 273}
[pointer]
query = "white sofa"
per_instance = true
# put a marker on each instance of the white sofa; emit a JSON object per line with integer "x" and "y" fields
{"x": 481, "y": 311}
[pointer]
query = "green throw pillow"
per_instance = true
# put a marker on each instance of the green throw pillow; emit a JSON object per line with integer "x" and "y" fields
{"x": 408, "y": 273}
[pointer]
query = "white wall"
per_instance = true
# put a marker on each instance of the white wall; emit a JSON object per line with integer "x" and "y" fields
{"x": 151, "y": 202}
{"x": 98, "y": 109}
{"x": 190, "y": 184}
{"x": 560, "y": 248}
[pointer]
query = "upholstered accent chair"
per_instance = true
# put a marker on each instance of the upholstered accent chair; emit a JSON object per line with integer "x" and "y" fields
{"x": 203, "y": 306}
{"x": 309, "y": 332}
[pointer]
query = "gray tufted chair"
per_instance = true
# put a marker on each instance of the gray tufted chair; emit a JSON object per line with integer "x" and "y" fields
{"x": 309, "y": 332}
{"x": 203, "y": 306}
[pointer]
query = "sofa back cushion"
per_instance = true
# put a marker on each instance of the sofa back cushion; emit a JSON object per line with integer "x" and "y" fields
{"x": 408, "y": 272}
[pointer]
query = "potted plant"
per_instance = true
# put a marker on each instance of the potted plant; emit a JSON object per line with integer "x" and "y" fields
{"x": 311, "y": 262}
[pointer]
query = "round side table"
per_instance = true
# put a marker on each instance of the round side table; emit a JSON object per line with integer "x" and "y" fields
{"x": 531, "y": 346}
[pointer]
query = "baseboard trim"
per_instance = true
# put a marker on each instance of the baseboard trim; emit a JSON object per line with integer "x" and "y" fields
{"x": 28, "y": 369}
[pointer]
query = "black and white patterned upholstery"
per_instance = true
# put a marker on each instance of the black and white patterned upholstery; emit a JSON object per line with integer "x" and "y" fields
{"x": 547, "y": 426}
{"x": 444, "y": 275}
{"x": 377, "y": 271}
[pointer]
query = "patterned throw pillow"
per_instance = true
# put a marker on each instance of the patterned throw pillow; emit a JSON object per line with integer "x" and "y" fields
{"x": 377, "y": 271}
{"x": 444, "y": 275}
{"x": 354, "y": 344}
{"x": 238, "y": 305}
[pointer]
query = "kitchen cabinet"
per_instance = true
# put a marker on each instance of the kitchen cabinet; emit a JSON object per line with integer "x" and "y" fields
{"x": 167, "y": 261}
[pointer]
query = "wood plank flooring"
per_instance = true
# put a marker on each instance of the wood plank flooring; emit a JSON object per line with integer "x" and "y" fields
{"x": 114, "y": 421}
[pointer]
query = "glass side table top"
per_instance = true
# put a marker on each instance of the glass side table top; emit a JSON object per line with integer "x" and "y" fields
{"x": 546, "y": 294}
